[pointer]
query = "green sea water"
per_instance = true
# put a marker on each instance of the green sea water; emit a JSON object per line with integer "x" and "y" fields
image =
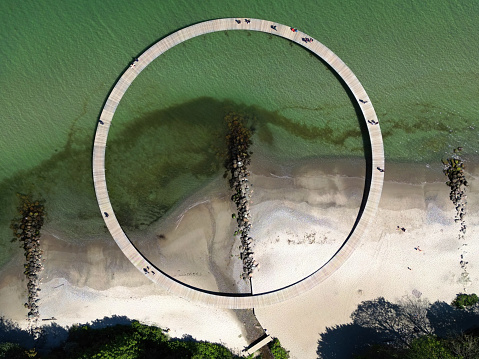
{"x": 418, "y": 61}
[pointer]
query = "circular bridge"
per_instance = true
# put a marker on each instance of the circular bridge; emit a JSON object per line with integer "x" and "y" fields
{"x": 374, "y": 176}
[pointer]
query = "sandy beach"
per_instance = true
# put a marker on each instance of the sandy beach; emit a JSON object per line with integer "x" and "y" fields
{"x": 417, "y": 61}
{"x": 380, "y": 266}
{"x": 301, "y": 216}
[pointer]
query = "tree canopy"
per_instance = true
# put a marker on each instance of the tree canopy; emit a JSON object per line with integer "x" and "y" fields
{"x": 130, "y": 340}
{"x": 413, "y": 328}
{"x": 465, "y": 300}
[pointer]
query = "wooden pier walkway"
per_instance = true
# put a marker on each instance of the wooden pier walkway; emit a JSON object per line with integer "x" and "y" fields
{"x": 258, "y": 345}
{"x": 240, "y": 300}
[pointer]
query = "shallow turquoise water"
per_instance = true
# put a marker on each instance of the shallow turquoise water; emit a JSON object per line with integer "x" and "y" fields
{"x": 418, "y": 61}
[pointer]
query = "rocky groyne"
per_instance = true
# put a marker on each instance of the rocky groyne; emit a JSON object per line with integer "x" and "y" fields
{"x": 237, "y": 162}
{"x": 454, "y": 170}
{"x": 26, "y": 229}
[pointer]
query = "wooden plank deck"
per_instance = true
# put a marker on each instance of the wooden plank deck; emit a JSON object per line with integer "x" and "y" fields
{"x": 227, "y": 300}
{"x": 258, "y": 345}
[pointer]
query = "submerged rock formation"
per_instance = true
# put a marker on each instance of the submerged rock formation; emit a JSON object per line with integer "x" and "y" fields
{"x": 27, "y": 230}
{"x": 237, "y": 162}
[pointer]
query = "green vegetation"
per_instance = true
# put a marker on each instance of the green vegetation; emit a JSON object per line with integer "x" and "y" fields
{"x": 431, "y": 347}
{"x": 427, "y": 347}
{"x": 465, "y": 300}
{"x": 277, "y": 350}
{"x": 413, "y": 328}
{"x": 11, "y": 350}
{"x": 132, "y": 341}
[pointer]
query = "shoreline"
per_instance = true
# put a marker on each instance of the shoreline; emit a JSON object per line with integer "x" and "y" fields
{"x": 269, "y": 179}
{"x": 389, "y": 264}
{"x": 92, "y": 273}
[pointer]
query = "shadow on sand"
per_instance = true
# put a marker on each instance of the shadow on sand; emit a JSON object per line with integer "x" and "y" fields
{"x": 381, "y": 322}
{"x": 53, "y": 335}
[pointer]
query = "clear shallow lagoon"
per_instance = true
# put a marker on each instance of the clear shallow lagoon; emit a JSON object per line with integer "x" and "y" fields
{"x": 418, "y": 62}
